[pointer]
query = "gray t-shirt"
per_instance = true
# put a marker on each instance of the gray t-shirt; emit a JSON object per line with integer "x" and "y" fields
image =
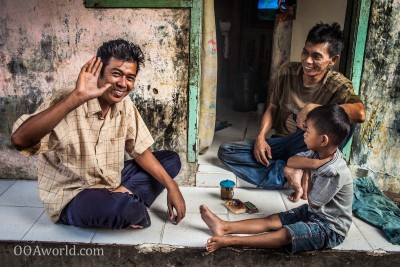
{"x": 332, "y": 192}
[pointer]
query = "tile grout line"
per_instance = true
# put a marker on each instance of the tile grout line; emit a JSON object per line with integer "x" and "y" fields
{"x": 366, "y": 239}
{"x": 32, "y": 225}
{"x": 91, "y": 239}
{"x": 163, "y": 228}
{"x": 14, "y": 181}
{"x": 284, "y": 203}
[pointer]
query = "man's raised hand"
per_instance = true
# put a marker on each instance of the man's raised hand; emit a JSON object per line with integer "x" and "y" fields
{"x": 86, "y": 85}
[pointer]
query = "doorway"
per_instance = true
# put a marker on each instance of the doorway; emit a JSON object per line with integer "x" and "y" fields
{"x": 250, "y": 39}
{"x": 245, "y": 60}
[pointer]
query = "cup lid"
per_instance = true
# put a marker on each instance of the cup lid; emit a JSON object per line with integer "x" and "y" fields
{"x": 227, "y": 183}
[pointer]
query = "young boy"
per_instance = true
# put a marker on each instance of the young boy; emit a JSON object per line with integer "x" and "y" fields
{"x": 326, "y": 219}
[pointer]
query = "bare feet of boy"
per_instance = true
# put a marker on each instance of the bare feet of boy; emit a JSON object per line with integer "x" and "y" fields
{"x": 215, "y": 224}
{"x": 293, "y": 177}
{"x": 217, "y": 242}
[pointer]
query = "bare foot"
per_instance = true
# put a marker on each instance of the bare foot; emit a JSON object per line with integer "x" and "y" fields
{"x": 295, "y": 196}
{"x": 134, "y": 226}
{"x": 122, "y": 189}
{"x": 213, "y": 222}
{"x": 217, "y": 242}
{"x": 294, "y": 178}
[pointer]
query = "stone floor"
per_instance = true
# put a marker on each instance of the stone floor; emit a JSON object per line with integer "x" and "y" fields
{"x": 22, "y": 217}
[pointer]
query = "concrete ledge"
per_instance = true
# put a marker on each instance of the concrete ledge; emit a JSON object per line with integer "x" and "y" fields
{"x": 57, "y": 254}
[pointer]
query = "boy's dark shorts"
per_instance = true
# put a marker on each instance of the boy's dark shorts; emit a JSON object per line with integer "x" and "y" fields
{"x": 308, "y": 231}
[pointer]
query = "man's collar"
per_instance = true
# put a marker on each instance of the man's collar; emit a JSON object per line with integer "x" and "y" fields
{"x": 93, "y": 107}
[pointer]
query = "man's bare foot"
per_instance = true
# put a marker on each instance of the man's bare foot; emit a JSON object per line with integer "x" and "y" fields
{"x": 213, "y": 222}
{"x": 122, "y": 189}
{"x": 217, "y": 242}
{"x": 294, "y": 178}
{"x": 134, "y": 226}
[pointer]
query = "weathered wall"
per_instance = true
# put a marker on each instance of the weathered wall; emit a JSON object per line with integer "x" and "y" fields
{"x": 43, "y": 44}
{"x": 376, "y": 146}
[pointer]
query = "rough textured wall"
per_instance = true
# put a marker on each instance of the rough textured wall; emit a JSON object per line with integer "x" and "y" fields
{"x": 376, "y": 146}
{"x": 43, "y": 44}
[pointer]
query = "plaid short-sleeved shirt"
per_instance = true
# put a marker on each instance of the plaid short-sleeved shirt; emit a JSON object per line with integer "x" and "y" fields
{"x": 85, "y": 150}
{"x": 291, "y": 96}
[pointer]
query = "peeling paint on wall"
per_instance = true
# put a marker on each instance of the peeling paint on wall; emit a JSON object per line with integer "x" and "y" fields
{"x": 43, "y": 45}
{"x": 376, "y": 145}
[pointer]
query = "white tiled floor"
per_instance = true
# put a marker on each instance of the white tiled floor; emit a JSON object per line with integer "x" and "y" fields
{"x": 26, "y": 221}
{"x": 22, "y": 216}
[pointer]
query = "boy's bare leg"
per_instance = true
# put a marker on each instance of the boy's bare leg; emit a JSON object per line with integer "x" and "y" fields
{"x": 219, "y": 228}
{"x": 252, "y": 226}
{"x": 274, "y": 239}
{"x": 294, "y": 178}
{"x": 304, "y": 183}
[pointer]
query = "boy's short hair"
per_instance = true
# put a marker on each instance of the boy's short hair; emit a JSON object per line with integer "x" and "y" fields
{"x": 120, "y": 49}
{"x": 325, "y": 33}
{"x": 331, "y": 120}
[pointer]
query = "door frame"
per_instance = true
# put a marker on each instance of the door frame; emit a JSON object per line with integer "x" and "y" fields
{"x": 355, "y": 31}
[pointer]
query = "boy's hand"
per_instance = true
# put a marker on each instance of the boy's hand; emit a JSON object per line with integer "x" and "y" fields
{"x": 302, "y": 115}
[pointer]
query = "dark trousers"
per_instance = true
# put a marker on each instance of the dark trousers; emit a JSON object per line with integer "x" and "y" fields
{"x": 102, "y": 208}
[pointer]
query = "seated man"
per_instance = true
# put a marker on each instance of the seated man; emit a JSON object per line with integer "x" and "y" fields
{"x": 322, "y": 223}
{"x": 301, "y": 87}
{"x": 81, "y": 135}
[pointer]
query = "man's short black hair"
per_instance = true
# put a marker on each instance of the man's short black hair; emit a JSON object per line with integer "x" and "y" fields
{"x": 120, "y": 49}
{"x": 332, "y": 121}
{"x": 325, "y": 33}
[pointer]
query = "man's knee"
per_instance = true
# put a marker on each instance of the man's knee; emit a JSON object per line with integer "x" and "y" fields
{"x": 223, "y": 150}
{"x": 104, "y": 209}
{"x": 170, "y": 161}
{"x": 175, "y": 163}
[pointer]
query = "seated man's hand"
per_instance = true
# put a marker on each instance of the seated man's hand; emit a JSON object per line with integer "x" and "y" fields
{"x": 175, "y": 201}
{"x": 302, "y": 115}
{"x": 262, "y": 151}
{"x": 86, "y": 85}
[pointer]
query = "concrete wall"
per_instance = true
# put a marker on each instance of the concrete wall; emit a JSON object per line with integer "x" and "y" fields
{"x": 376, "y": 145}
{"x": 43, "y": 44}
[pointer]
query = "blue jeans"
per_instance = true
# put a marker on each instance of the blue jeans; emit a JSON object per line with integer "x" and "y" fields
{"x": 308, "y": 230}
{"x": 239, "y": 158}
{"x": 99, "y": 207}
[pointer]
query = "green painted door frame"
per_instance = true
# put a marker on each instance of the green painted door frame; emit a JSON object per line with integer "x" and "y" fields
{"x": 196, "y": 11}
{"x": 355, "y": 57}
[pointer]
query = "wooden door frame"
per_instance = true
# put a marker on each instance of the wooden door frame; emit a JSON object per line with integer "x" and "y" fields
{"x": 355, "y": 31}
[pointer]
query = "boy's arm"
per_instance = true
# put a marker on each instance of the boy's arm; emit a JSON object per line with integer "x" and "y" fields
{"x": 307, "y": 175}
{"x": 299, "y": 162}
